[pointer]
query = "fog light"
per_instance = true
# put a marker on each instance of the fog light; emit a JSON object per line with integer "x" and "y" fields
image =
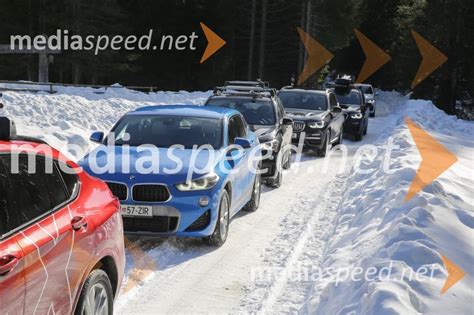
{"x": 203, "y": 201}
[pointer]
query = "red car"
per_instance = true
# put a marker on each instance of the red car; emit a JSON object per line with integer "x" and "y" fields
{"x": 61, "y": 234}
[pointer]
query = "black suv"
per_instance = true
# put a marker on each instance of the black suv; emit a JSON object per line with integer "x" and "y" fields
{"x": 265, "y": 115}
{"x": 353, "y": 103}
{"x": 317, "y": 118}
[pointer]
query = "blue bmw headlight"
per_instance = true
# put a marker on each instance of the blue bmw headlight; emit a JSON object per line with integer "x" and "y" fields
{"x": 202, "y": 183}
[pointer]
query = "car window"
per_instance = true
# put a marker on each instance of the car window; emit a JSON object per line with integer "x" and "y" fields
{"x": 241, "y": 128}
{"x": 332, "y": 100}
{"x": 255, "y": 111}
{"x": 40, "y": 187}
{"x": 303, "y": 100}
{"x": 233, "y": 131}
{"x": 367, "y": 89}
{"x": 70, "y": 179}
{"x": 8, "y": 216}
{"x": 352, "y": 97}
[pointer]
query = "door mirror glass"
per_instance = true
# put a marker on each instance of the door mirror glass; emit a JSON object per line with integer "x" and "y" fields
{"x": 244, "y": 143}
{"x": 97, "y": 136}
{"x": 287, "y": 121}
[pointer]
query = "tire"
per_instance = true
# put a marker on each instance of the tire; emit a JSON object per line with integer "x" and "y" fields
{"x": 221, "y": 231}
{"x": 326, "y": 146}
{"x": 97, "y": 287}
{"x": 366, "y": 127}
{"x": 372, "y": 114}
{"x": 358, "y": 136}
{"x": 287, "y": 164}
{"x": 254, "y": 203}
{"x": 276, "y": 183}
{"x": 341, "y": 136}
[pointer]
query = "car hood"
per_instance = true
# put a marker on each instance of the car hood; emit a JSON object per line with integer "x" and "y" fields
{"x": 161, "y": 165}
{"x": 305, "y": 114}
{"x": 264, "y": 132}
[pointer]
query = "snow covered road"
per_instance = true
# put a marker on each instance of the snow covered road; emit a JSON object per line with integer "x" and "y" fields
{"x": 323, "y": 216}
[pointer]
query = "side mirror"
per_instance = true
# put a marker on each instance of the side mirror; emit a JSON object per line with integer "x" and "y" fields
{"x": 241, "y": 142}
{"x": 336, "y": 109}
{"x": 287, "y": 121}
{"x": 7, "y": 129}
{"x": 97, "y": 136}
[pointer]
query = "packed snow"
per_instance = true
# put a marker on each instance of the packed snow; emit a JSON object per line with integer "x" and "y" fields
{"x": 324, "y": 216}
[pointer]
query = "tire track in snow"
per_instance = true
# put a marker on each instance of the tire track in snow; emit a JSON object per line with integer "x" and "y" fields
{"x": 283, "y": 284}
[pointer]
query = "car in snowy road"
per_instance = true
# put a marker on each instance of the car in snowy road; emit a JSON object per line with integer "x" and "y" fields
{"x": 203, "y": 168}
{"x": 61, "y": 235}
{"x": 369, "y": 96}
{"x": 264, "y": 113}
{"x": 354, "y": 106}
{"x": 317, "y": 115}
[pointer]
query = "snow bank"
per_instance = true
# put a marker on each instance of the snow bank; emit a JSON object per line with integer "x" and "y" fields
{"x": 375, "y": 227}
{"x": 70, "y": 115}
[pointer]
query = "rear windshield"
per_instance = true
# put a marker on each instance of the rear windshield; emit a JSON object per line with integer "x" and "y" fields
{"x": 349, "y": 98}
{"x": 303, "y": 100}
{"x": 256, "y": 112}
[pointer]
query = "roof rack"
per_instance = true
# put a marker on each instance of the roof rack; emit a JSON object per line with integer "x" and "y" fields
{"x": 254, "y": 91}
{"x": 257, "y": 83}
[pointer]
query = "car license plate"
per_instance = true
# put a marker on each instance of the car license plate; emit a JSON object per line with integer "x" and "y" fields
{"x": 136, "y": 211}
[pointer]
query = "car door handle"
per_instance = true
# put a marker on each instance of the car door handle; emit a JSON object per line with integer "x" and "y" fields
{"x": 9, "y": 262}
{"x": 79, "y": 223}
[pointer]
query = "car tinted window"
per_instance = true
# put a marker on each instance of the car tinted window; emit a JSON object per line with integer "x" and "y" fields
{"x": 32, "y": 198}
{"x": 233, "y": 130}
{"x": 70, "y": 179}
{"x": 352, "y": 97}
{"x": 367, "y": 89}
{"x": 255, "y": 111}
{"x": 241, "y": 128}
{"x": 57, "y": 190}
{"x": 165, "y": 131}
{"x": 8, "y": 215}
{"x": 303, "y": 100}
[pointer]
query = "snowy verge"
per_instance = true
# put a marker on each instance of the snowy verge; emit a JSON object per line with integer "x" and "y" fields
{"x": 375, "y": 227}
{"x": 70, "y": 115}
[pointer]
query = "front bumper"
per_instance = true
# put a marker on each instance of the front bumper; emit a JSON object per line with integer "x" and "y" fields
{"x": 313, "y": 138}
{"x": 352, "y": 125}
{"x": 180, "y": 216}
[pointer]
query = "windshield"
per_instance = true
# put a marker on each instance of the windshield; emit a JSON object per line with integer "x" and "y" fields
{"x": 350, "y": 98}
{"x": 165, "y": 131}
{"x": 303, "y": 100}
{"x": 256, "y": 112}
{"x": 366, "y": 89}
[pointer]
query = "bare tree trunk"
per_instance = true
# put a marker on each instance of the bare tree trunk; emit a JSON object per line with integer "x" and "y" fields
{"x": 301, "y": 53}
{"x": 252, "y": 40}
{"x": 263, "y": 31}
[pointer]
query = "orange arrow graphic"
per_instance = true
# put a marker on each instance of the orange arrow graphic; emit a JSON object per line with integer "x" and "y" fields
{"x": 455, "y": 273}
{"x": 214, "y": 42}
{"x": 435, "y": 159}
{"x": 375, "y": 57}
{"x": 432, "y": 59}
{"x": 318, "y": 56}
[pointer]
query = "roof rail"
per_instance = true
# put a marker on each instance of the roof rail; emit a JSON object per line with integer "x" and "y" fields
{"x": 254, "y": 91}
{"x": 257, "y": 83}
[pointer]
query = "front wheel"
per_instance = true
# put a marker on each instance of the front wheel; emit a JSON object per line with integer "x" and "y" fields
{"x": 326, "y": 145}
{"x": 96, "y": 296}
{"x": 219, "y": 236}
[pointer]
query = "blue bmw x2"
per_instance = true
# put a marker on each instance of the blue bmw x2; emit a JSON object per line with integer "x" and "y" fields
{"x": 179, "y": 170}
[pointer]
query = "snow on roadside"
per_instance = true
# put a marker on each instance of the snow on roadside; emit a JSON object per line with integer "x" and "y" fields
{"x": 375, "y": 227}
{"x": 70, "y": 115}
